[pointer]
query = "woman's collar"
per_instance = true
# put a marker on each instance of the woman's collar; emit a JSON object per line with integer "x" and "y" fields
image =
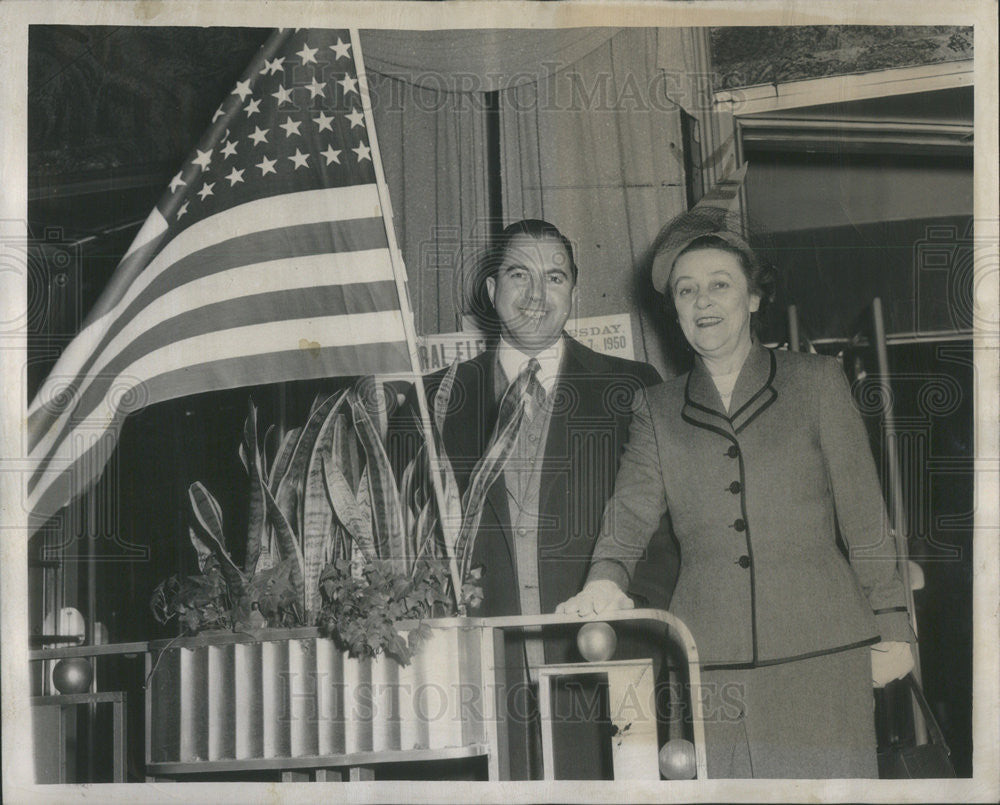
{"x": 752, "y": 393}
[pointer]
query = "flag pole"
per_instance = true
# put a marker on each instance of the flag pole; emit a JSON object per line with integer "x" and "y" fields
{"x": 396, "y": 258}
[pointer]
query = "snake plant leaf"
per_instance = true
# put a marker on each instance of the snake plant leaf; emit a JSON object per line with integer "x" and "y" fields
{"x": 285, "y": 486}
{"x": 337, "y": 544}
{"x": 258, "y": 553}
{"x": 269, "y": 446}
{"x": 330, "y": 546}
{"x": 317, "y": 401}
{"x": 208, "y": 538}
{"x": 244, "y": 458}
{"x": 317, "y": 513}
{"x": 344, "y": 450}
{"x": 410, "y": 512}
{"x": 414, "y": 483}
{"x": 345, "y": 506}
{"x": 346, "y": 543}
{"x": 202, "y": 548}
{"x": 283, "y": 455}
{"x": 287, "y": 543}
{"x": 425, "y": 532}
{"x": 484, "y": 474}
{"x": 443, "y": 397}
{"x": 291, "y": 485}
{"x": 417, "y": 495}
{"x": 451, "y": 517}
{"x": 363, "y": 494}
{"x": 386, "y": 506}
{"x": 344, "y": 455}
{"x": 208, "y": 515}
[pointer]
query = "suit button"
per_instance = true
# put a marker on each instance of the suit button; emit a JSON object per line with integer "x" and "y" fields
{"x": 735, "y": 487}
{"x": 733, "y": 451}
{"x": 743, "y": 561}
{"x": 740, "y": 525}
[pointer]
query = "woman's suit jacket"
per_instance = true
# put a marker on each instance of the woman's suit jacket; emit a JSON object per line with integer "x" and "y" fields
{"x": 756, "y": 499}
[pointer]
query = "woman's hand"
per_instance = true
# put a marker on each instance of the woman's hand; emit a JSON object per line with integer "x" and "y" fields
{"x": 595, "y": 598}
{"x": 890, "y": 661}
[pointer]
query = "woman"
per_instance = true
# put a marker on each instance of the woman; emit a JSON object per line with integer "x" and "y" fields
{"x": 760, "y": 457}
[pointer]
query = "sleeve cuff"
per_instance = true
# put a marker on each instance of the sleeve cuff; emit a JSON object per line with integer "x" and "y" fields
{"x": 609, "y": 570}
{"x": 894, "y": 626}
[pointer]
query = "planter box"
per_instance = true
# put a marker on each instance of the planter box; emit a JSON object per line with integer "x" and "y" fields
{"x": 290, "y": 698}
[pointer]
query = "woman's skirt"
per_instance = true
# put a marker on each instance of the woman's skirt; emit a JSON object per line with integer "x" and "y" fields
{"x": 810, "y": 718}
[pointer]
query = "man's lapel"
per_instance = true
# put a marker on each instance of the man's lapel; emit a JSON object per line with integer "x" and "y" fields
{"x": 578, "y": 394}
{"x": 484, "y": 405}
{"x": 471, "y": 415}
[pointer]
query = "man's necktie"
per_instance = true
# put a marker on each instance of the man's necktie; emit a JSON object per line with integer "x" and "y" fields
{"x": 525, "y": 385}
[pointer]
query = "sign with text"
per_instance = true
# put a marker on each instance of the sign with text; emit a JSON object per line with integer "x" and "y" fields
{"x": 611, "y": 335}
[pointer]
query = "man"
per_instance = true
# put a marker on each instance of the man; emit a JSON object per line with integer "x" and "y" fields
{"x": 543, "y": 514}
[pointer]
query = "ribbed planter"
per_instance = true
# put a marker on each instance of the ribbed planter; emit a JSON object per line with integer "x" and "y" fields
{"x": 229, "y": 701}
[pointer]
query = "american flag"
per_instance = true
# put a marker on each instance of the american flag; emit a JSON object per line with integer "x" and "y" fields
{"x": 267, "y": 259}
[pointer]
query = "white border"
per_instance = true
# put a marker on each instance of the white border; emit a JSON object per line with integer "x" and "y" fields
{"x": 14, "y": 18}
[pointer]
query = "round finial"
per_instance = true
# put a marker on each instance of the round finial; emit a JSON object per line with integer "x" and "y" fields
{"x": 596, "y": 641}
{"x": 677, "y": 759}
{"x": 73, "y": 675}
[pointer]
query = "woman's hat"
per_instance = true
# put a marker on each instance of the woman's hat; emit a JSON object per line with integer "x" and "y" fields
{"x": 716, "y": 214}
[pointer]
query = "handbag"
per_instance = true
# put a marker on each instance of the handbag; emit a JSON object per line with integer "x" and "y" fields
{"x": 932, "y": 759}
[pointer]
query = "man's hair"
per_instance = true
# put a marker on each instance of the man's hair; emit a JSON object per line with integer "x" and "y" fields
{"x": 532, "y": 227}
{"x": 476, "y": 301}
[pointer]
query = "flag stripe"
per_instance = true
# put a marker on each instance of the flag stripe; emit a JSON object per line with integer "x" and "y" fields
{"x": 63, "y": 479}
{"x": 329, "y": 233}
{"x": 126, "y": 272}
{"x": 199, "y": 290}
{"x": 340, "y": 241}
{"x": 253, "y": 283}
{"x": 260, "y": 217}
{"x": 295, "y": 310}
{"x": 267, "y": 215}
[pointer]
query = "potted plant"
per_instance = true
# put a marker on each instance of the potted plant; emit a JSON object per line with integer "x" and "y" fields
{"x": 340, "y": 625}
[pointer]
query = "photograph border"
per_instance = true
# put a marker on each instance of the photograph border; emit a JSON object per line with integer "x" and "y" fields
{"x": 15, "y": 17}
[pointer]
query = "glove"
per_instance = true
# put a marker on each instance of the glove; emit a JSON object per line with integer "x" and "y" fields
{"x": 596, "y": 597}
{"x": 890, "y": 661}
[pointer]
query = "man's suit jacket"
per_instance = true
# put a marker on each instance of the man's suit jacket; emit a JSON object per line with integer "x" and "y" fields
{"x": 756, "y": 498}
{"x": 592, "y": 400}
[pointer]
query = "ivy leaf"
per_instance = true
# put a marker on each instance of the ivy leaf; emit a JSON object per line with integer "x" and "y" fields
{"x": 360, "y": 611}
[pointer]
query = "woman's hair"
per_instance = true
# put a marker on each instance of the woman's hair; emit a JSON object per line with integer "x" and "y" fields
{"x": 761, "y": 276}
{"x": 710, "y": 228}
